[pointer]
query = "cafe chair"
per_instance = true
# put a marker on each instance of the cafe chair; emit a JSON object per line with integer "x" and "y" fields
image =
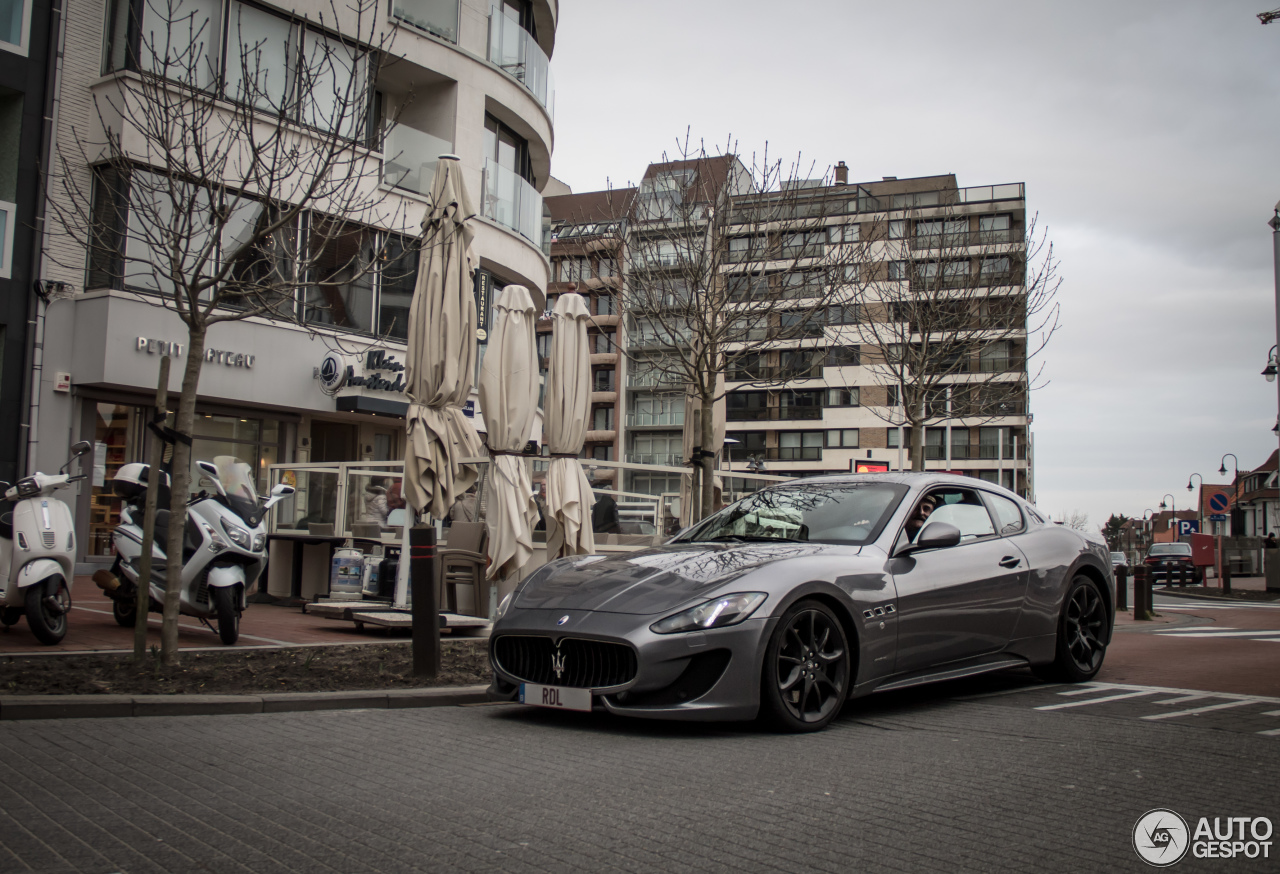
{"x": 461, "y": 563}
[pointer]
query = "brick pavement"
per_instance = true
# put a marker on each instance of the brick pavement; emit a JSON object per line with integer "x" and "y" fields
{"x": 912, "y": 781}
{"x": 92, "y": 627}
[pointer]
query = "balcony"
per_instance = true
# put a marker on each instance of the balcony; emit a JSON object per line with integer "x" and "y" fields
{"x": 772, "y": 414}
{"x": 512, "y": 202}
{"x": 437, "y": 17}
{"x": 669, "y": 459}
{"x": 410, "y": 158}
{"x": 968, "y": 238}
{"x": 991, "y": 451}
{"x": 668, "y": 418}
{"x": 653, "y": 379}
{"x": 513, "y": 49}
{"x": 793, "y": 453}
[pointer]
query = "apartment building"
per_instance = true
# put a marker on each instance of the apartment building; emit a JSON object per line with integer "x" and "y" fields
{"x": 469, "y": 78}
{"x": 24, "y": 72}
{"x": 824, "y": 274}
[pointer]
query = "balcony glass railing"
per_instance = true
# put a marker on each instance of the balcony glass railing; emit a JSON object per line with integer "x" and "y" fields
{"x": 511, "y": 201}
{"x": 794, "y": 453}
{"x": 410, "y": 157}
{"x": 436, "y": 17}
{"x": 772, "y": 414}
{"x": 641, "y": 420}
{"x": 513, "y": 49}
{"x": 673, "y": 459}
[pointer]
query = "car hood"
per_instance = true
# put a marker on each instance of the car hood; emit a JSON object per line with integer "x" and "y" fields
{"x": 653, "y": 580}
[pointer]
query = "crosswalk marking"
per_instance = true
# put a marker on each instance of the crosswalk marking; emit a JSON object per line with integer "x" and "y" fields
{"x": 1261, "y": 633}
{"x": 1270, "y": 732}
{"x": 1105, "y": 698}
{"x": 1196, "y": 710}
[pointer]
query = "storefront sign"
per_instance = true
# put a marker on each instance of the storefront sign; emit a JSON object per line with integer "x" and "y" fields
{"x": 212, "y": 356}
{"x": 379, "y": 371}
{"x": 484, "y": 296}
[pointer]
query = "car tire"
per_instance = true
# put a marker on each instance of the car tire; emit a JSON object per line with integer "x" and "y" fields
{"x": 806, "y": 675}
{"x": 1079, "y": 649}
{"x": 125, "y": 611}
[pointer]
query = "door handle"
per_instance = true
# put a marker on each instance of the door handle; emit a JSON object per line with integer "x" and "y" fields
{"x": 1010, "y": 561}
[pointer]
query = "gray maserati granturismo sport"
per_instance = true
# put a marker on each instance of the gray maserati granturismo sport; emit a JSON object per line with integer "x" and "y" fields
{"x": 800, "y": 597}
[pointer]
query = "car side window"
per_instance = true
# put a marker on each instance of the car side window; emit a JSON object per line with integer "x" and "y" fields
{"x": 963, "y": 509}
{"x": 1008, "y": 516}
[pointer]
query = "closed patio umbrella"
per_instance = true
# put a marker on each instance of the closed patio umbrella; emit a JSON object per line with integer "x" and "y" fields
{"x": 509, "y": 399}
{"x": 566, "y": 411}
{"x": 441, "y": 358}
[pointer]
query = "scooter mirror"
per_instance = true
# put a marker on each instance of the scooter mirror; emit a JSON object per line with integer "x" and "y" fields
{"x": 282, "y": 490}
{"x": 81, "y": 448}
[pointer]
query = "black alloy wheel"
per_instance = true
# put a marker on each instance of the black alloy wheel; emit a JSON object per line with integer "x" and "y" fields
{"x": 47, "y": 614}
{"x": 806, "y": 669}
{"x": 1082, "y": 632}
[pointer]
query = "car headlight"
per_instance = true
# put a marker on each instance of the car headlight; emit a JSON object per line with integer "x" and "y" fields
{"x": 503, "y": 605}
{"x": 729, "y": 610}
{"x": 239, "y": 536}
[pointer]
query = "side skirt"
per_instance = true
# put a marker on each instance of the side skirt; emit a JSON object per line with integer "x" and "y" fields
{"x": 953, "y": 671}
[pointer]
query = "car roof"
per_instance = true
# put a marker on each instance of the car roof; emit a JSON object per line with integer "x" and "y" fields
{"x": 915, "y": 479}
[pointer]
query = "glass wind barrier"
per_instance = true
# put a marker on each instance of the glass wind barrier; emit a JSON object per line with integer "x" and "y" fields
{"x": 512, "y": 202}
{"x": 513, "y": 49}
{"x": 352, "y": 499}
{"x": 410, "y": 158}
{"x": 436, "y": 17}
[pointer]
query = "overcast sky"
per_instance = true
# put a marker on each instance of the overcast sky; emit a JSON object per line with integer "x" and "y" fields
{"x": 1146, "y": 134}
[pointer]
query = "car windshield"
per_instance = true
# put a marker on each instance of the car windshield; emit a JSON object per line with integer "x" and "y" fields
{"x": 1117, "y": 556}
{"x": 822, "y": 512}
{"x": 1170, "y": 549}
{"x": 236, "y": 479}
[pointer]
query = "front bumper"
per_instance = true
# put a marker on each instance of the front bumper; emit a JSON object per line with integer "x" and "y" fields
{"x": 698, "y": 675}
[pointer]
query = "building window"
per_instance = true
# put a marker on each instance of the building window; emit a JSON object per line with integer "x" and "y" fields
{"x": 648, "y": 447}
{"x": 607, "y": 267}
{"x": 843, "y": 397}
{"x": 891, "y": 438}
{"x": 8, "y": 222}
{"x": 843, "y": 234}
{"x": 602, "y": 419}
{"x": 342, "y": 271}
{"x": 396, "y": 281}
{"x": 253, "y": 441}
{"x": 15, "y": 25}
{"x": 897, "y": 270}
{"x": 799, "y": 445}
{"x": 897, "y": 229}
{"x": 436, "y": 17}
{"x": 843, "y": 356}
{"x": 657, "y": 409}
{"x": 842, "y": 438}
{"x": 604, "y": 305}
{"x": 272, "y": 63}
{"x": 602, "y": 343}
{"x": 602, "y": 452}
{"x": 508, "y": 150}
{"x": 602, "y": 379}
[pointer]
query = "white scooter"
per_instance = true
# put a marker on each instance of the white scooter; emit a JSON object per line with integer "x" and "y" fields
{"x": 224, "y": 545}
{"x": 37, "y": 553}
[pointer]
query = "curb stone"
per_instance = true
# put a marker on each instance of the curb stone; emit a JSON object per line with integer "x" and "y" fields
{"x": 114, "y": 706}
{"x": 1244, "y": 602}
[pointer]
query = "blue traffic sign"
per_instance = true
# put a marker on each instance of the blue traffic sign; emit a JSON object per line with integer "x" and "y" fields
{"x": 1218, "y": 502}
{"x": 1188, "y": 526}
{"x": 1218, "y": 517}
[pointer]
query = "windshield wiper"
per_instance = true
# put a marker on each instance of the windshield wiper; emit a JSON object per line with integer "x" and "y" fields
{"x": 747, "y": 538}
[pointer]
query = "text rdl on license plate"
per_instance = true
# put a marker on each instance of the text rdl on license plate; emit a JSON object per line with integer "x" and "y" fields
{"x": 559, "y": 697}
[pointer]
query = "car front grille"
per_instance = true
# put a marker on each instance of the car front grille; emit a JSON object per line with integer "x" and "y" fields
{"x": 585, "y": 664}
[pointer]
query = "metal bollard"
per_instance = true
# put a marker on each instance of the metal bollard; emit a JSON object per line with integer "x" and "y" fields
{"x": 1122, "y": 589}
{"x": 1142, "y": 604}
{"x": 426, "y": 610}
{"x": 1226, "y": 576}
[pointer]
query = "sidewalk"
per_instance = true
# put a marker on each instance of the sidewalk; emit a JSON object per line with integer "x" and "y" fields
{"x": 92, "y": 628}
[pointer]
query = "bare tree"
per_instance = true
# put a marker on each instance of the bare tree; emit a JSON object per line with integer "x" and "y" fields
{"x": 226, "y": 194}
{"x": 952, "y": 311}
{"x": 729, "y": 277}
{"x": 1076, "y": 519}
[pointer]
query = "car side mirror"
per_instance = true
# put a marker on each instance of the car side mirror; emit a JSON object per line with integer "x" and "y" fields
{"x": 935, "y": 535}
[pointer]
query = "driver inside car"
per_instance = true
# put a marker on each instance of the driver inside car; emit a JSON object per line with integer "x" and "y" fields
{"x": 920, "y": 516}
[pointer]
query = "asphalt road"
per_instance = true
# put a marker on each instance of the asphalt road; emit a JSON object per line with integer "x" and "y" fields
{"x": 981, "y": 775}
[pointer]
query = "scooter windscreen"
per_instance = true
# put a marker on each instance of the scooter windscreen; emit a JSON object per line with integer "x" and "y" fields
{"x": 236, "y": 479}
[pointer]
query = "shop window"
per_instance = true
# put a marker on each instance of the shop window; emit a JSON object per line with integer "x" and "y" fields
{"x": 253, "y": 441}
{"x": 117, "y": 440}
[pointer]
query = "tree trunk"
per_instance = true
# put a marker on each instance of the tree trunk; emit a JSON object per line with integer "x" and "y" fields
{"x": 708, "y": 460}
{"x": 181, "y": 484}
{"x": 917, "y": 439}
{"x": 143, "y": 600}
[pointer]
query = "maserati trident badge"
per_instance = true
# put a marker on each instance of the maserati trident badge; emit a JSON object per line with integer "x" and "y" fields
{"x": 557, "y": 662}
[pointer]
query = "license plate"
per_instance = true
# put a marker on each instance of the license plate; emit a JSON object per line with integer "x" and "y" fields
{"x": 559, "y": 697}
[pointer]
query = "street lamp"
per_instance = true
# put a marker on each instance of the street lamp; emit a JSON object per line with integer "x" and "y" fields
{"x": 1189, "y": 488}
{"x": 1270, "y": 370}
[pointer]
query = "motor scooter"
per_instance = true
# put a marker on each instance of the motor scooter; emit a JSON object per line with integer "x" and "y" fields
{"x": 224, "y": 545}
{"x": 37, "y": 552}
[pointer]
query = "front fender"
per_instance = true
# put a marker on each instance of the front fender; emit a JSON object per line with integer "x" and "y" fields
{"x": 38, "y": 571}
{"x": 220, "y": 577}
